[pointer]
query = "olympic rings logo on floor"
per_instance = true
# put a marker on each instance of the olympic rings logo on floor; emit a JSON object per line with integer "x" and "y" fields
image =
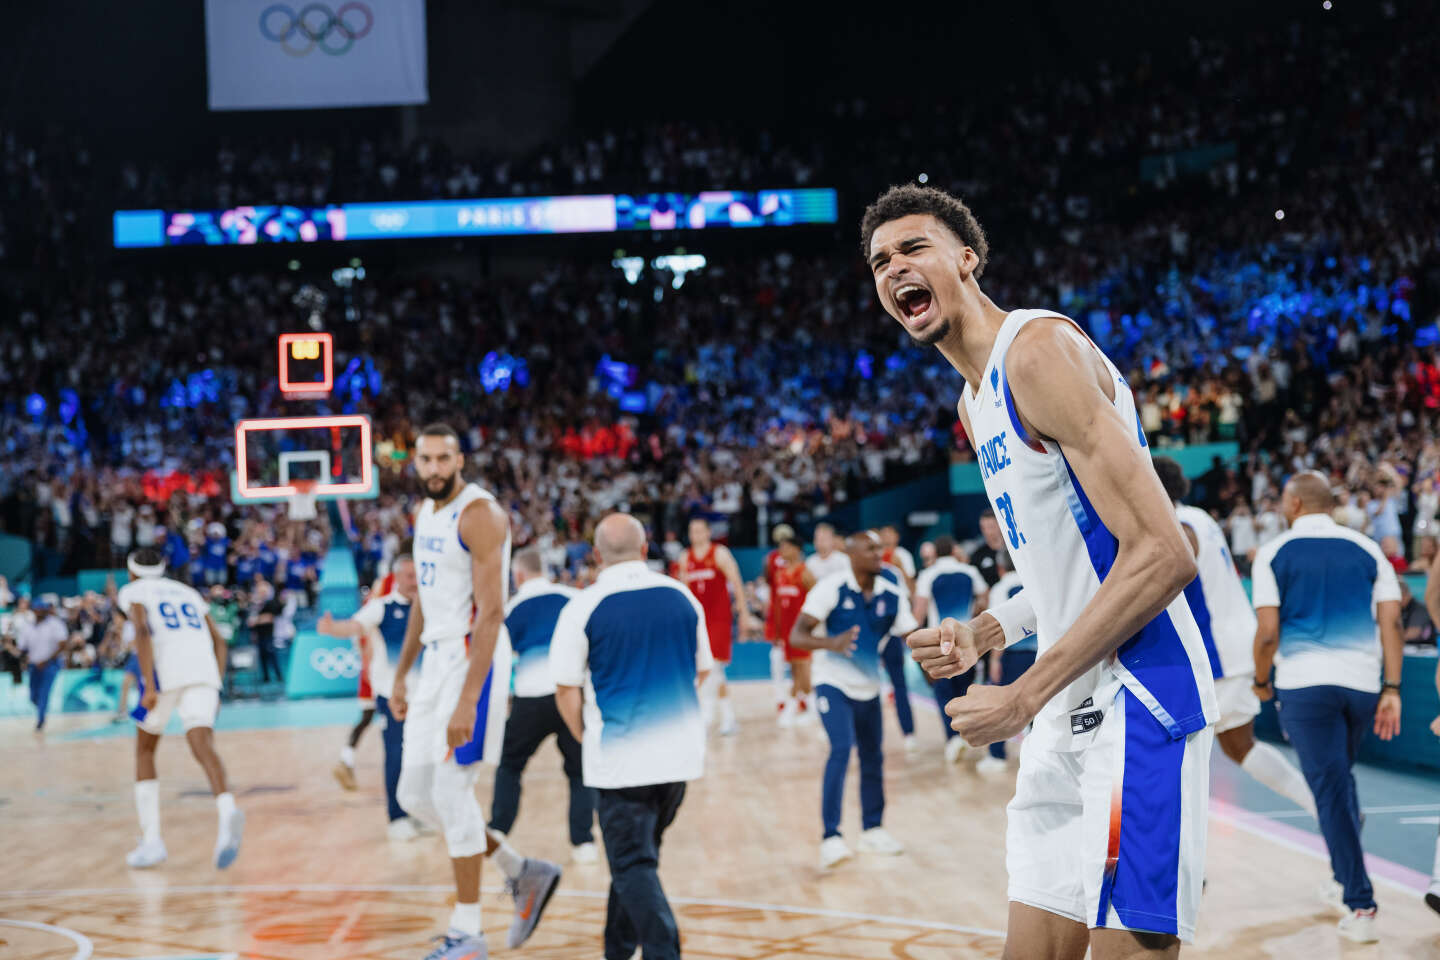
{"x": 332, "y": 663}
{"x": 316, "y": 25}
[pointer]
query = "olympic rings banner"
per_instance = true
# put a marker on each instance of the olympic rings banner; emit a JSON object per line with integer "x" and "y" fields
{"x": 265, "y": 55}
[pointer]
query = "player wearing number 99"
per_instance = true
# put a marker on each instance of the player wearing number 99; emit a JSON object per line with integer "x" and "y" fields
{"x": 1105, "y": 842}
{"x": 182, "y": 660}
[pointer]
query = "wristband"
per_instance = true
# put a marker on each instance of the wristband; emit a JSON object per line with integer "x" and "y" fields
{"x": 1262, "y": 683}
{"x": 1390, "y": 686}
{"x": 1016, "y": 618}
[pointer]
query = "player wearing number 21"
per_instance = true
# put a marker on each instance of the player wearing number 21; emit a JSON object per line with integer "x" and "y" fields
{"x": 182, "y": 661}
{"x": 1105, "y": 842}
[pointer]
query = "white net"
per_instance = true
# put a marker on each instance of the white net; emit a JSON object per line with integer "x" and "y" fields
{"x": 302, "y": 502}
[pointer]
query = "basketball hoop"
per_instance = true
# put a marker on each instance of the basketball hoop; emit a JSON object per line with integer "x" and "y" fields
{"x": 302, "y": 501}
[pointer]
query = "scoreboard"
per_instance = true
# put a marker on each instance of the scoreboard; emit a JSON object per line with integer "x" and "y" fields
{"x": 307, "y": 363}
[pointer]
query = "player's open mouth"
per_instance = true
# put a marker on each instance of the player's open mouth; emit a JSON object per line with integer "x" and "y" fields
{"x": 915, "y": 303}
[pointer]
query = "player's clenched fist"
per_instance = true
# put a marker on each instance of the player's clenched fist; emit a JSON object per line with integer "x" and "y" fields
{"x": 462, "y": 725}
{"x": 944, "y": 651}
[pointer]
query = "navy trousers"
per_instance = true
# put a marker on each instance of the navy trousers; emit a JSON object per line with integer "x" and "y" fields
{"x": 1012, "y": 664}
{"x": 632, "y": 821}
{"x": 851, "y": 724}
{"x": 1326, "y": 725}
{"x": 894, "y": 656}
{"x": 947, "y": 690}
{"x": 393, "y": 737}
{"x": 42, "y": 678}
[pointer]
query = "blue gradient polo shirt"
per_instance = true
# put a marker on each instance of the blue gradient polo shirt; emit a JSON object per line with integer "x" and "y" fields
{"x": 1327, "y": 581}
{"x": 530, "y": 618}
{"x": 635, "y": 640}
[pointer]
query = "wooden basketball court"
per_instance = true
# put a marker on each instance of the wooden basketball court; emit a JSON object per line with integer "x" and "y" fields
{"x": 317, "y": 877}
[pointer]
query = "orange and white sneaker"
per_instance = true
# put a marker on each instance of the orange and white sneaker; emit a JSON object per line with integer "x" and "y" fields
{"x": 532, "y": 891}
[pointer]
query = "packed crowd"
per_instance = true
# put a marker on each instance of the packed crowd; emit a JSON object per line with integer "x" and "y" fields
{"x": 771, "y": 385}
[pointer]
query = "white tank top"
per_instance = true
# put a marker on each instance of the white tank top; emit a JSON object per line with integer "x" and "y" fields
{"x": 1063, "y": 551}
{"x": 442, "y": 565}
{"x": 1232, "y": 621}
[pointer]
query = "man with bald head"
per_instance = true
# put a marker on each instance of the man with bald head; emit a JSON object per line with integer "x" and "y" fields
{"x": 626, "y": 656}
{"x": 1328, "y": 610}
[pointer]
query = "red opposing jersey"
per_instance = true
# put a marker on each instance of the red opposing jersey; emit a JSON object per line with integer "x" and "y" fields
{"x": 786, "y": 598}
{"x": 707, "y": 581}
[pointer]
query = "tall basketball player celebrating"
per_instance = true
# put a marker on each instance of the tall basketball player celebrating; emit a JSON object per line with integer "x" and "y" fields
{"x": 1105, "y": 844}
{"x": 456, "y": 717}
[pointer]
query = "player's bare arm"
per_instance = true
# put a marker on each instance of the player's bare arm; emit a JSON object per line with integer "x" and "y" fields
{"x": 331, "y": 627}
{"x": 145, "y": 653}
{"x": 728, "y": 566}
{"x": 1267, "y": 641}
{"x": 1064, "y": 393}
{"x": 568, "y": 701}
{"x": 483, "y": 527}
{"x": 409, "y": 651}
{"x": 1392, "y": 643}
{"x": 802, "y": 637}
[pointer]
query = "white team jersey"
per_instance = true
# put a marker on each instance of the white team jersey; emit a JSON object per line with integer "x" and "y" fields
{"x": 175, "y": 614}
{"x": 951, "y": 587}
{"x": 1062, "y": 551}
{"x": 1232, "y": 621}
{"x": 442, "y": 564}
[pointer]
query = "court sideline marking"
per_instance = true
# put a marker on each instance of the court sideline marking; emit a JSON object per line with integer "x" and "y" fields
{"x": 440, "y": 888}
{"x": 83, "y": 946}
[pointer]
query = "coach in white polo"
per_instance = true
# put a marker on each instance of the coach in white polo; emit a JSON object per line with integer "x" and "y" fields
{"x": 1327, "y": 599}
{"x": 635, "y": 643}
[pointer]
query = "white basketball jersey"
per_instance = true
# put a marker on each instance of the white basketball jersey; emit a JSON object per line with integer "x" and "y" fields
{"x": 442, "y": 566}
{"x": 1062, "y": 551}
{"x": 1232, "y": 621}
{"x": 175, "y": 615}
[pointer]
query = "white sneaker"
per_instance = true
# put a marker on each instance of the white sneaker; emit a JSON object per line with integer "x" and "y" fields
{"x": 807, "y": 718}
{"x": 989, "y": 764}
{"x": 1359, "y": 926}
{"x": 402, "y": 830}
{"x": 585, "y": 853}
{"x": 955, "y": 748}
{"x": 728, "y": 726}
{"x": 146, "y": 855}
{"x": 833, "y": 851}
{"x": 911, "y": 743}
{"x": 787, "y": 715}
{"x": 227, "y": 844}
{"x": 878, "y": 840}
{"x": 1332, "y": 894}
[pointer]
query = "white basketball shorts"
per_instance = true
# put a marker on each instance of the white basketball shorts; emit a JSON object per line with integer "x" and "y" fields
{"x": 1113, "y": 835}
{"x": 1237, "y": 700}
{"x": 432, "y": 701}
{"x": 196, "y": 703}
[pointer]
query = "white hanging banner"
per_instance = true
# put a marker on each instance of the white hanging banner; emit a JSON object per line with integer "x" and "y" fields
{"x": 294, "y": 56}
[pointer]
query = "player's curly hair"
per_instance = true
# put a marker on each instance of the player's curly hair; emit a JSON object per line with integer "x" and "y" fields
{"x": 907, "y": 199}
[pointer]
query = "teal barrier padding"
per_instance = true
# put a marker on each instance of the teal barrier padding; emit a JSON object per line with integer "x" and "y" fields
{"x": 74, "y": 691}
{"x": 16, "y": 557}
{"x": 1194, "y": 460}
{"x": 98, "y": 579}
